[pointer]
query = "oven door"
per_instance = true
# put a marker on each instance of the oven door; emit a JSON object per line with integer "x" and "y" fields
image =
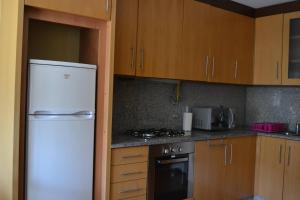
{"x": 171, "y": 178}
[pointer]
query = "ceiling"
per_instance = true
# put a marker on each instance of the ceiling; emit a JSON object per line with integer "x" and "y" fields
{"x": 261, "y": 3}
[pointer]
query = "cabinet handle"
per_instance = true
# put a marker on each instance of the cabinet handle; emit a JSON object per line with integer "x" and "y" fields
{"x": 131, "y": 173}
{"x": 107, "y": 6}
{"x": 132, "y": 58}
{"x": 280, "y": 154}
{"x": 236, "y": 69}
{"x": 142, "y": 59}
{"x": 231, "y": 149}
{"x": 277, "y": 70}
{"x": 225, "y": 156}
{"x": 213, "y": 67}
{"x": 132, "y": 156}
{"x": 131, "y": 190}
{"x": 289, "y": 156}
{"x": 206, "y": 66}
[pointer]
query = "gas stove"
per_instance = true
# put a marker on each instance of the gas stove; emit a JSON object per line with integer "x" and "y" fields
{"x": 153, "y": 133}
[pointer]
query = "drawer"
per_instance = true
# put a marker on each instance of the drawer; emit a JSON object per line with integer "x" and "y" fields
{"x": 129, "y": 155}
{"x": 135, "y": 198}
{"x": 129, "y": 172}
{"x": 128, "y": 189}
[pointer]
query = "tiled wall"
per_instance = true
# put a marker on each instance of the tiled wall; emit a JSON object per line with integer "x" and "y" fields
{"x": 273, "y": 104}
{"x": 148, "y": 103}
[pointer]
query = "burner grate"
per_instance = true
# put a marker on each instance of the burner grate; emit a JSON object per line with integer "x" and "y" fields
{"x": 153, "y": 133}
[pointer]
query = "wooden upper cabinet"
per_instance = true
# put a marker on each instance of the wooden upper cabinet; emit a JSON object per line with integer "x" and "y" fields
{"x": 222, "y": 55}
{"x": 270, "y": 168}
{"x": 268, "y": 50}
{"x": 159, "y": 38}
{"x": 210, "y": 170}
{"x": 126, "y": 33}
{"x": 100, "y": 9}
{"x": 196, "y": 41}
{"x": 232, "y": 47}
{"x": 243, "y": 45}
{"x": 292, "y": 172}
{"x": 291, "y": 49}
{"x": 241, "y": 169}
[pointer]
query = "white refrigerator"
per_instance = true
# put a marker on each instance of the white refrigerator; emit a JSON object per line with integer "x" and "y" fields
{"x": 60, "y": 130}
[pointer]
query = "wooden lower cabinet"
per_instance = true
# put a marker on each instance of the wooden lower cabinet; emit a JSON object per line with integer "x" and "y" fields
{"x": 270, "y": 168}
{"x": 129, "y": 173}
{"x": 277, "y": 171}
{"x": 291, "y": 189}
{"x": 224, "y": 169}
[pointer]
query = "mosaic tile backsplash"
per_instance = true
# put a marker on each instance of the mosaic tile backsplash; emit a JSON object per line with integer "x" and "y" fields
{"x": 150, "y": 103}
{"x": 273, "y": 104}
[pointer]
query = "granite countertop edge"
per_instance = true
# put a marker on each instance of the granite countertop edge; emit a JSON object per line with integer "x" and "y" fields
{"x": 121, "y": 141}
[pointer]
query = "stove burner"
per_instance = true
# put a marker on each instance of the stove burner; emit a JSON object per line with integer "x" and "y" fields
{"x": 152, "y": 133}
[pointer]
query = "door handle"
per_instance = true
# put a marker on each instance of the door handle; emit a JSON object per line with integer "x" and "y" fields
{"x": 225, "y": 156}
{"x": 213, "y": 68}
{"x": 142, "y": 59}
{"x": 107, "y": 6}
{"x": 132, "y": 58}
{"x": 289, "y": 156}
{"x": 277, "y": 70}
{"x": 236, "y": 69}
{"x": 206, "y": 66}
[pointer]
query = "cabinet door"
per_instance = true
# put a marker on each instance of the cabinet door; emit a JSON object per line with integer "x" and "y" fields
{"x": 241, "y": 168}
{"x": 196, "y": 41}
{"x": 159, "y": 38}
{"x": 291, "y": 49}
{"x": 126, "y": 33}
{"x": 222, "y": 54}
{"x": 209, "y": 169}
{"x": 91, "y": 8}
{"x": 292, "y": 173}
{"x": 243, "y": 44}
{"x": 268, "y": 50}
{"x": 271, "y": 168}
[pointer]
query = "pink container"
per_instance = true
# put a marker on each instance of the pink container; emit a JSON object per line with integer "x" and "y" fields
{"x": 268, "y": 127}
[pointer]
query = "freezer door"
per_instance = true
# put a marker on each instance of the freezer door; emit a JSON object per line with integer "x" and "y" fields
{"x": 61, "y": 90}
{"x": 60, "y": 158}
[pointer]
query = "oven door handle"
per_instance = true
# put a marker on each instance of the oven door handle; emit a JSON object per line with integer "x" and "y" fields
{"x": 178, "y": 160}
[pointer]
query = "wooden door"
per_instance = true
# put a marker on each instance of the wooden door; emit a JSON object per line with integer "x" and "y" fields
{"x": 243, "y": 45}
{"x": 240, "y": 171}
{"x": 209, "y": 169}
{"x": 159, "y": 38}
{"x": 271, "y": 168}
{"x": 126, "y": 33}
{"x": 292, "y": 172}
{"x": 196, "y": 42}
{"x": 268, "y": 50}
{"x": 222, "y": 42}
{"x": 291, "y": 49}
{"x": 100, "y": 9}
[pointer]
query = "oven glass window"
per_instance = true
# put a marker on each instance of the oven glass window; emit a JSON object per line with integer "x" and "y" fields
{"x": 171, "y": 179}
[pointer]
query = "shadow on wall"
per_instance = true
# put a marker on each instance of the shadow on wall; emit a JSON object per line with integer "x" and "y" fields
{"x": 149, "y": 103}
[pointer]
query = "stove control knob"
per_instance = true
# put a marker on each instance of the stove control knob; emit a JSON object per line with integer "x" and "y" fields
{"x": 179, "y": 149}
{"x": 166, "y": 151}
{"x": 173, "y": 150}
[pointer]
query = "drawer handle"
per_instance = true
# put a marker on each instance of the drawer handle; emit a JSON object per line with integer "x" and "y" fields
{"x": 131, "y": 190}
{"x": 131, "y": 173}
{"x": 133, "y": 156}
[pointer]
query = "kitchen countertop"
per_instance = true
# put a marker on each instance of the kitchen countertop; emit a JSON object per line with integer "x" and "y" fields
{"x": 119, "y": 141}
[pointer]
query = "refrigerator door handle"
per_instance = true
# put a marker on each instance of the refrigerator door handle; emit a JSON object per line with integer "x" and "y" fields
{"x": 43, "y": 112}
{"x": 84, "y": 112}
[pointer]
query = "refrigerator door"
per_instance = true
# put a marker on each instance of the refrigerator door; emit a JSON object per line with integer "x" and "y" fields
{"x": 60, "y": 157}
{"x": 61, "y": 90}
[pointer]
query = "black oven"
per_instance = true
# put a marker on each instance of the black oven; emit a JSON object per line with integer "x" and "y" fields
{"x": 171, "y": 171}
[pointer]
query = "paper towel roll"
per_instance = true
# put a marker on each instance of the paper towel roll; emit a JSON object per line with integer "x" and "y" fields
{"x": 187, "y": 121}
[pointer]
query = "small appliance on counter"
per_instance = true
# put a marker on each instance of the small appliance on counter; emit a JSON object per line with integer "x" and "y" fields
{"x": 187, "y": 121}
{"x": 213, "y": 118}
{"x": 268, "y": 127}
